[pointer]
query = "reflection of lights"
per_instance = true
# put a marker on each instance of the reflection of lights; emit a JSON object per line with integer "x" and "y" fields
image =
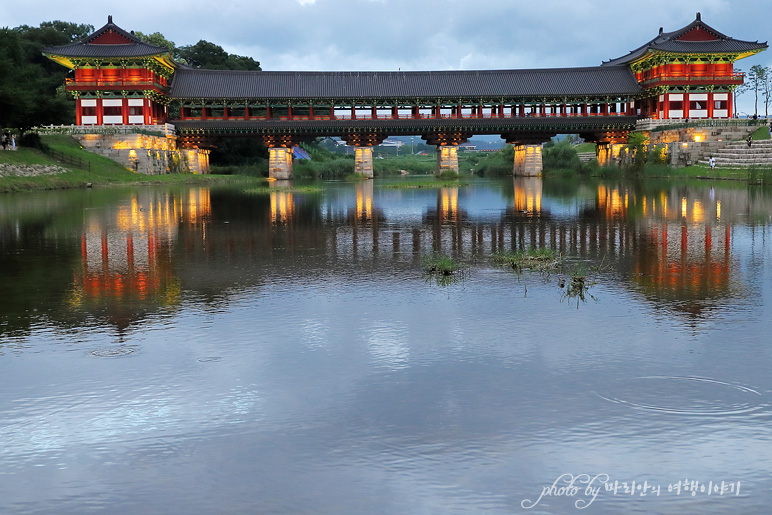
{"x": 282, "y": 206}
{"x": 364, "y": 194}
{"x": 449, "y": 203}
{"x": 718, "y": 210}
{"x": 683, "y": 207}
{"x": 612, "y": 201}
{"x": 699, "y": 261}
{"x": 698, "y": 212}
{"x": 663, "y": 201}
{"x": 528, "y": 195}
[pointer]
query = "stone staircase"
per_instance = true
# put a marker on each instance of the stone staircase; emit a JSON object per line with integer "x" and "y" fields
{"x": 586, "y": 156}
{"x": 736, "y": 154}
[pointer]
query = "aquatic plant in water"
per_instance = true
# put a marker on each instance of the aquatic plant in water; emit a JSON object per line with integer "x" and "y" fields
{"x": 443, "y": 270}
{"x": 540, "y": 260}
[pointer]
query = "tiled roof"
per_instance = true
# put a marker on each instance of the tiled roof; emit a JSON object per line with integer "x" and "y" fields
{"x": 669, "y": 42}
{"x": 87, "y": 48}
{"x": 539, "y": 83}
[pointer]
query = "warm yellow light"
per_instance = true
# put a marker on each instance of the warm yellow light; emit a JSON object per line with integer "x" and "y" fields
{"x": 698, "y": 212}
{"x": 685, "y": 144}
{"x": 718, "y": 210}
{"x": 697, "y": 138}
{"x": 683, "y": 207}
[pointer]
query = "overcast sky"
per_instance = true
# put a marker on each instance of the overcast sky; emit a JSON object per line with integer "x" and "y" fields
{"x": 387, "y": 35}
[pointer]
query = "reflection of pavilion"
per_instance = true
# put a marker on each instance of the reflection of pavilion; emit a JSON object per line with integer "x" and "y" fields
{"x": 683, "y": 252}
{"x": 681, "y": 259}
{"x": 126, "y": 255}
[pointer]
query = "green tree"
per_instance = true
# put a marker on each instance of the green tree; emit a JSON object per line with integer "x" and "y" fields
{"x": 208, "y": 55}
{"x": 28, "y": 89}
{"x": 737, "y": 91}
{"x": 756, "y": 77}
{"x": 157, "y": 39}
{"x": 767, "y": 89}
{"x": 638, "y": 144}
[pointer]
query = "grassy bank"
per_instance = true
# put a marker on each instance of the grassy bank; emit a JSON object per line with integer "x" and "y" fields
{"x": 102, "y": 171}
{"x": 412, "y": 184}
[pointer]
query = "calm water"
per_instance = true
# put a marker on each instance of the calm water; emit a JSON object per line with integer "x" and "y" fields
{"x": 208, "y": 351}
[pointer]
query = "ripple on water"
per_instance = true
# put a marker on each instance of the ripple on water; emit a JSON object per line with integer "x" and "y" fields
{"x": 684, "y": 395}
{"x": 113, "y": 352}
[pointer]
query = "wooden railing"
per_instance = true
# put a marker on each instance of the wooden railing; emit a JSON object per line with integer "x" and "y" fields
{"x": 735, "y": 78}
{"x": 118, "y": 82}
{"x": 166, "y": 129}
{"x": 67, "y": 159}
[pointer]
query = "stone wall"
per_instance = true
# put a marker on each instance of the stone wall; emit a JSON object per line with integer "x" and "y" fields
{"x": 150, "y": 155}
{"x": 689, "y": 145}
{"x": 7, "y": 170}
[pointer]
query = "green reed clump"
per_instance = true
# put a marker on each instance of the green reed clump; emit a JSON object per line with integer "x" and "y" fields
{"x": 266, "y": 189}
{"x": 442, "y": 265}
{"x": 540, "y": 260}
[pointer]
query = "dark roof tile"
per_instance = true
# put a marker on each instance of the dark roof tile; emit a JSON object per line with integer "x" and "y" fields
{"x": 669, "y": 42}
{"x": 85, "y": 47}
{"x": 538, "y": 83}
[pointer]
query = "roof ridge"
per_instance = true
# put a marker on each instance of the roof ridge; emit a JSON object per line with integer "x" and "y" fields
{"x": 110, "y": 26}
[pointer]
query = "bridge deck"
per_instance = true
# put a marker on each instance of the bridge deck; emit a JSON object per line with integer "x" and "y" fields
{"x": 412, "y": 126}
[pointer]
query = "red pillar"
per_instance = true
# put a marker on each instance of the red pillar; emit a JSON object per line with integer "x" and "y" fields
{"x": 125, "y": 110}
{"x": 686, "y": 104}
{"x": 78, "y": 112}
{"x": 710, "y": 104}
{"x": 146, "y": 110}
{"x": 99, "y": 110}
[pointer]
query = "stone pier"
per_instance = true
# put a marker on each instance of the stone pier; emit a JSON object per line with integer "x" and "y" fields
{"x": 280, "y": 155}
{"x": 280, "y": 163}
{"x": 528, "y": 162}
{"x": 447, "y": 159}
{"x": 447, "y": 150}
{"x": 363, "y": 155}
{"x": 608, "y": 153}
{"x": 363, "y": 161}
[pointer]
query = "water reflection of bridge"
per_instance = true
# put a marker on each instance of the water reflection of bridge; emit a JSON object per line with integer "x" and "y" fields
{"x": 674, "y": 243}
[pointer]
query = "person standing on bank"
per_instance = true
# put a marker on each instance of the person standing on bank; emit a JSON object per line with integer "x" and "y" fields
{"x": 712, "y": 162}
{"x": 750, "y": 139}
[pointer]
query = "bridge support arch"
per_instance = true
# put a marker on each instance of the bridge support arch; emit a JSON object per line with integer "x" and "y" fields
{"x": 447, "y": 150}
